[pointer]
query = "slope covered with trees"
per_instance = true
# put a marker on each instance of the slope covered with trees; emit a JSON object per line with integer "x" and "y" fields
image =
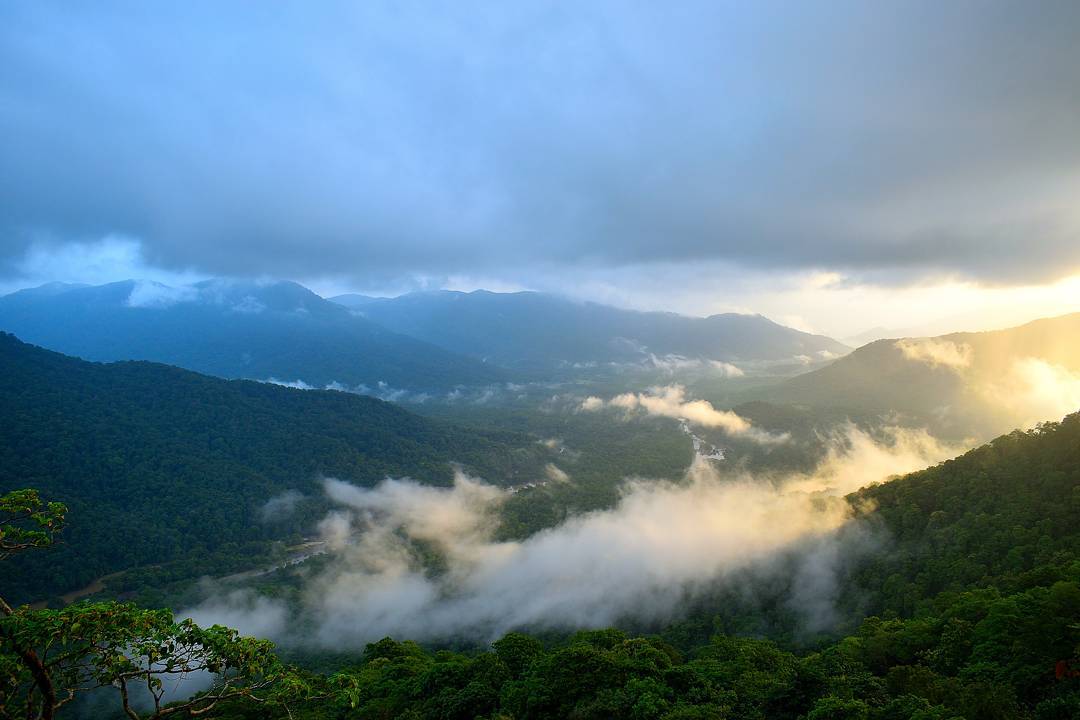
{"x": 161, "y": 464}
{"x": 1005, "y": 515}
{"x": 976, "y": 615}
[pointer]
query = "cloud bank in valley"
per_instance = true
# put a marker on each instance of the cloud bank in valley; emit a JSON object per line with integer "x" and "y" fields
{"x": 662, "y": 544}
{"x": 671, "y": 401}
{"x": 672, "y": 364}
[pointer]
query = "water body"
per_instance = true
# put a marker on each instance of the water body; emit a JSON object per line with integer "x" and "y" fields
{"x": 702, "y": 448}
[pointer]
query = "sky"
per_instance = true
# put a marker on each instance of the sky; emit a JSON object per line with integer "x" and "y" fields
{"x": 834, "y": 165}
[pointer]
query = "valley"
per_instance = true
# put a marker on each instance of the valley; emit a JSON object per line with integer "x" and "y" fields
{"x": 540, "y": 361}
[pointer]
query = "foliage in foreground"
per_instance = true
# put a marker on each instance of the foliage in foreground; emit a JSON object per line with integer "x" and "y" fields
{"x": 50, "y": 658}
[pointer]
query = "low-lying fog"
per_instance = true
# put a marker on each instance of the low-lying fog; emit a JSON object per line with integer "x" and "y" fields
{"x": 663, "y": 543}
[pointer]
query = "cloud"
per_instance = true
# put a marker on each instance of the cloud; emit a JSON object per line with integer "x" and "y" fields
{"x": 149, "y": 294}
{"x": 854, "y": 458}
{"x": 94, "y": 262}
{"x": 672, "y": 363}
{"x": 295, "y": 384}
{"x": 383, "y": 391}
{"x": 425, "y": 512}
{"x": 923, "y": 140}
{"x": 662, "y": 544}
{"x": 999, "y": 383}
{"x": 1032, "y": 390}
{"x": 670, "y": 401}
{"x": 727, "y": 369}
{"x": 592, "y": 404}
{"x": 555, "y": 474}
{"x": 936, "y": 352}
{"x": 280, "y": 506}
{"x": 241, "y": 610}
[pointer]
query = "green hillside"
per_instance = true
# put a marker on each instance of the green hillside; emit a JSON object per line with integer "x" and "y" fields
{"x": 161, "y": 464}
{"x": 1005, "y": 515}
{"x": 978, "y": 617}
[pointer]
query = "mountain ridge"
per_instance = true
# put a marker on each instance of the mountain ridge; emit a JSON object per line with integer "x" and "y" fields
{"x": 532, "y": 330}
{"x": 231, "y": 329}
{"x": 964, "y": 379}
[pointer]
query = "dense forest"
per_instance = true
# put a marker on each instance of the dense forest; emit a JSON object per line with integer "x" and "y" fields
{"x": 976, "y": 615}
{"x": 162, "y": 465}
{"x": 966, "y": 605}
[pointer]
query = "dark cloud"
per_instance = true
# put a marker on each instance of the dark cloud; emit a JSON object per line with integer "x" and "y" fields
{"x": 373, "y": 140}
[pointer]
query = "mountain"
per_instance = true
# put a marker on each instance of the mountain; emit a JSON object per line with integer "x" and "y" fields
{"x": 355, "y": 301}
{"x": 1002, "y": 515}
{"x": 235, "y": 330}
{"x": 961, "y": 383}
{"x": 868, "y": 336}
{"x": 536, "y": 331}
{"x": 160, "y": 464}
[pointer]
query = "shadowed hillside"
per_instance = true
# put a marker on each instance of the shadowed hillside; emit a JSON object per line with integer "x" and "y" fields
{"x": 162, "y": 464}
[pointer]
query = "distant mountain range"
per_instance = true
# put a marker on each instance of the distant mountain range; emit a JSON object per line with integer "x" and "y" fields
{"x": 982, "y": 381}
{"x": 235, "y": 330}
{"x": 159, "y": 464}
{"x": 536, "y": 331}
{"x": 432, "y": 342}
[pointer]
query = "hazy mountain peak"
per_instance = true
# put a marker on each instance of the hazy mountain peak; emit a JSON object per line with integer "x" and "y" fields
{"x": 354, "y": 301}
{"x": 235, "y": 328}
{"x": 49, "y": 288}
{"x": 542, "y": 331}
{"x": 991, "y": 380}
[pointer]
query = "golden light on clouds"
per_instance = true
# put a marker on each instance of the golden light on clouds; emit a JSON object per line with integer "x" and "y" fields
{"x": 829, "y": 305}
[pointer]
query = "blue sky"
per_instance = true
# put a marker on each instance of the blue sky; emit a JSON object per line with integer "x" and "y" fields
{"x": 698, "y": 157}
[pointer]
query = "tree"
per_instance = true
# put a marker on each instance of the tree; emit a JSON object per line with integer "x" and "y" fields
{"x": 26, "y": 523}
{"x": 49, "y": 657}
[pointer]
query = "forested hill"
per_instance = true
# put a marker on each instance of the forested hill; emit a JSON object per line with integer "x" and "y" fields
{"x": 162, "y": 464}
{"x": 1004, "y": 515}
{"x": 963, "y": 384}
{"x": 978, "y": 602}
{"x": 235, "y": 329}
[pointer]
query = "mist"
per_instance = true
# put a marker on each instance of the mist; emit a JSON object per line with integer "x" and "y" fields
{"x": 671, "y": 401}
{"x": 409, "y": 560}
{"x": 1021, "y": 390}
